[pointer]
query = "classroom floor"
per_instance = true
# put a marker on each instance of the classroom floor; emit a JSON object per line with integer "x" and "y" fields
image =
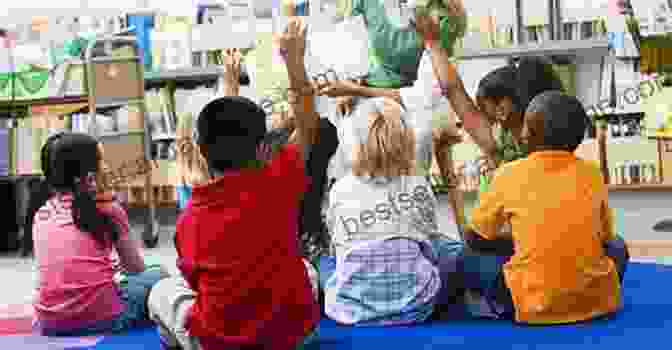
{"x": 19, "y": 274}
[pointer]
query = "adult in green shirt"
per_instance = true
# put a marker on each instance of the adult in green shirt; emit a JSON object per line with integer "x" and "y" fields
{"x": 494, "y": 120}
{"x": 395, "y": 47}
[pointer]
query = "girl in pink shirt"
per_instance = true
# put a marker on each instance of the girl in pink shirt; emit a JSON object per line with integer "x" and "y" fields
{"x": 74, "y": 243}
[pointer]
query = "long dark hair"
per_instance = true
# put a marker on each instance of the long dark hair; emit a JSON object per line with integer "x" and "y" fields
{"x": 67, "y": 159}
{"x": 522, "y": 82}
{"x": 39, "y": 194}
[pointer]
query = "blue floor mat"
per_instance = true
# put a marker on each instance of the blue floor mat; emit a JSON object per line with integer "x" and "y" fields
{"x": 645, "y": 318}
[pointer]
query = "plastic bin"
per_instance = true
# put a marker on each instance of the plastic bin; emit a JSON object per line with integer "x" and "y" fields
{"x": 144, "y": 24}
{"x": 9, "y": 232}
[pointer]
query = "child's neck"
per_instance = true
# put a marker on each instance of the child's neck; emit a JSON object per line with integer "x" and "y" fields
{"x": 543, "y": 148}
{"x": 516, "y": 130}
{"x": 252, "y": 164}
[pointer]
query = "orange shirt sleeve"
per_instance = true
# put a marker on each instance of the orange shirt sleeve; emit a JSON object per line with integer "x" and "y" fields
{"x": 488, "y": 218}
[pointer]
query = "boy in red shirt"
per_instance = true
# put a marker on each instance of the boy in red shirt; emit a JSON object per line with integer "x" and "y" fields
{"x": 245, "y": 285}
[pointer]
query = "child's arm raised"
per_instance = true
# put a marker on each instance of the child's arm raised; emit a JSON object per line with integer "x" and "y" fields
{"x": 301, "y": 91}
{"x": 475, "y": 122}
{"x": 231, "y": 77}
{"x": 342, "y": 88}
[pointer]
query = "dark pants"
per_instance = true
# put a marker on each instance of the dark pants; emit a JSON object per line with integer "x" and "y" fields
{"x": 314, "y": 235}
{"x": 484, "y": 273}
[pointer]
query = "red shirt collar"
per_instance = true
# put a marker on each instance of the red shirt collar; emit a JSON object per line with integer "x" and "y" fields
{"x": 216, "y": 189}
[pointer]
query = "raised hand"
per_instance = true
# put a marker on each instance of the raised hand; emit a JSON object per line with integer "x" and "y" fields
{"x": 429, "y": 27}
{"x": 344, "y": 105}
{"x": 292, "y": 42}
{"x": 232, "y": 58}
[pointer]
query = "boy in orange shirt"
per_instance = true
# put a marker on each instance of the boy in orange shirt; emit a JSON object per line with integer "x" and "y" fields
{"x": 542, "y": 245}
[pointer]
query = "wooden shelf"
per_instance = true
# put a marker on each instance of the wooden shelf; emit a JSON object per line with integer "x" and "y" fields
{"x": 44, "y": 101}
{"x": 597, "y": 47}
{"x": 641, "y": 188}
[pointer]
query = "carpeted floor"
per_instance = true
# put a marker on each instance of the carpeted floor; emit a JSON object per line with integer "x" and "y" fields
{"x": 645, "y": 318}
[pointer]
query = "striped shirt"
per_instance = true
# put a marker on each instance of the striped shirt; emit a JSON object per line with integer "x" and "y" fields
{"x": 76, "y": 273}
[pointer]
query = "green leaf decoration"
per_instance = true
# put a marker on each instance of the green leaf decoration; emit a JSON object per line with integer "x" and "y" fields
{"x": 33, "y": 82}
{"x": 5, "y": 78}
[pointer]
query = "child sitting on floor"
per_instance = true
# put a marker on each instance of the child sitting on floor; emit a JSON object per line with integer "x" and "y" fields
{"x": 75, "y": 237}
{"x": 391, "y": 264}
{"x": 245, "y": 285}
{"x": 561, "y": 260}
{"x": 191, "y": 167}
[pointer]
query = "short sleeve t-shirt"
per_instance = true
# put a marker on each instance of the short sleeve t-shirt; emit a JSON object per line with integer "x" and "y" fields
{"x": 76, "y": 273}
{"x": 559, "y": 272}
{"x": 363, "y": 215}
{"x": 231, "y": 239}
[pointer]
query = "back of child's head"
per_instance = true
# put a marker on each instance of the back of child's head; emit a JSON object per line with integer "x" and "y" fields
{"x": 39, "y": 193}
{"x": 228, "y": 131}
{"x": 71, "y": 162}
{"x": 561, "y": 118}
{"x": 385, "y": 142}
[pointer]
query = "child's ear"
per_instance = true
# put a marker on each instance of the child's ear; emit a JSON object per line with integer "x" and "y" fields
{"x": 533, "y": 128}
{"x": 504, "y": 107}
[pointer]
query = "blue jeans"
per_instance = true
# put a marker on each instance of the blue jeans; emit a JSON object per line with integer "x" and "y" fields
{"x": 484, "y": 273}
{"x": 183, "y": 195}
{"x": 133, "y": 293}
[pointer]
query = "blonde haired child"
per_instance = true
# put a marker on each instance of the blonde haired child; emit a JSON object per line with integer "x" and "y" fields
{"x": 190, "y": 165}
{"x": 382, "y": 218}
{"x": 389, "y": 149}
